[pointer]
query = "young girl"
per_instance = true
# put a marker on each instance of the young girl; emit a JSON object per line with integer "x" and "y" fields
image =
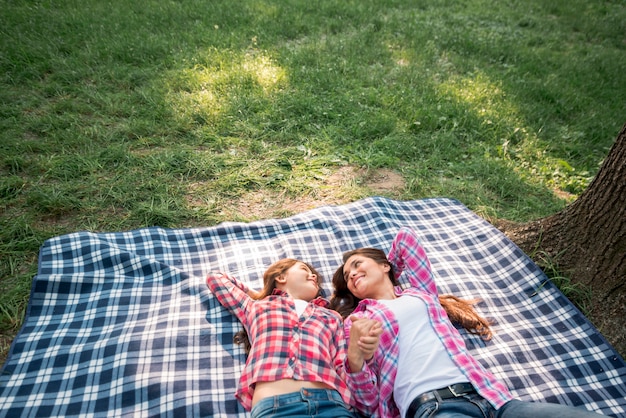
{"x": 295, "y": 365}
{"x": 422, "y": 359}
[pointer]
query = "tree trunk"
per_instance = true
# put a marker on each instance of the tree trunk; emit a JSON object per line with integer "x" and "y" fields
{"x": 587, "y": 240}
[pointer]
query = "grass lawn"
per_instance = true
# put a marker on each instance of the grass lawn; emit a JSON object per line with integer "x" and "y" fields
{"x": 125, "y": 114}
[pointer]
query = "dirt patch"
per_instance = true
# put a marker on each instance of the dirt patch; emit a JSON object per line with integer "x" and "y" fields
{"x": 384, "y": 181}
{"x": 342, "y": 186}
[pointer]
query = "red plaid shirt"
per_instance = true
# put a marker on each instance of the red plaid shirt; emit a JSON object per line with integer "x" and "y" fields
{"x": 310, "y": 347}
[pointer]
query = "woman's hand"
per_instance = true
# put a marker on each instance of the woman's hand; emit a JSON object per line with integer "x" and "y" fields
{"x": 364, "y": 339}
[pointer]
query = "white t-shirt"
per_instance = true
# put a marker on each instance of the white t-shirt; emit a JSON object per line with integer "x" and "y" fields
{"x": 424, "y": 363}
{"x": 300, "y": 305}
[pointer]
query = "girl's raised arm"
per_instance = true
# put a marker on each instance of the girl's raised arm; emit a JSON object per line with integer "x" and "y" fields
{"x": 233, "y": 294}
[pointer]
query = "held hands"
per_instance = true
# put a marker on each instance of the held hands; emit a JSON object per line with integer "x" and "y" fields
{"x": 364, "y": 339}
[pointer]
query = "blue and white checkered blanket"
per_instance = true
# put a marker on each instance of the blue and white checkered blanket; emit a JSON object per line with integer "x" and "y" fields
{"x": 122, "y": 324}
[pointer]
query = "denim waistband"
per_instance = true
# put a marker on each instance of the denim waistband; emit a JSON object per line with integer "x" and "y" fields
{"x": 306, "y": 394}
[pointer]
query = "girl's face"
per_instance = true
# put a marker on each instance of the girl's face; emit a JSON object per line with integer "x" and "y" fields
{"x": 366, "y": 278}
{"x": 300, "y": 282}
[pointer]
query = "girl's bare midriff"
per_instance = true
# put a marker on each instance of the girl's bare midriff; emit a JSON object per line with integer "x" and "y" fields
{"x": 280, "y": 387}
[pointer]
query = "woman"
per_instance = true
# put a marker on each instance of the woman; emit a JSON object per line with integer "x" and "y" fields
{"x": 425, "y": 370}
{"x": 297, "y": 347}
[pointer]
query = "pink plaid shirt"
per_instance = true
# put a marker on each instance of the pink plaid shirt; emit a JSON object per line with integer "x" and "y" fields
{"x": 309, "y": 347}
{"x": 373, "y": 387}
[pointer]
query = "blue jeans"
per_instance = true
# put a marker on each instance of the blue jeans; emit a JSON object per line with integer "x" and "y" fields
{"x": 475, "y": 406}
{"x": 322, "y": 403}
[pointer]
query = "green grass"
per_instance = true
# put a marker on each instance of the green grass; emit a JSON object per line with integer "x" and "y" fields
{"x": 118, "y": 115}
{"x": 579, "y": 294}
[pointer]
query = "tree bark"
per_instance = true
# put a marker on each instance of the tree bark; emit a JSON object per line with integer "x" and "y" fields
{"x": 587, "y": 240}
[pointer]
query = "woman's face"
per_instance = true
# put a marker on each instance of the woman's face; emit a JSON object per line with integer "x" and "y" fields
{"x": 366, "y": 278}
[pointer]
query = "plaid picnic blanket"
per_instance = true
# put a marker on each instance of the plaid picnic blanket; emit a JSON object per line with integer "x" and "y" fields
{"x": 122, "y": 324}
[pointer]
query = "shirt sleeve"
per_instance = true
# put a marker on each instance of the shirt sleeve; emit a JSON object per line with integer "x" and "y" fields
{"x": 362, "y": 384}
{"x": 407, "y": 254}
{"x": 231, "y": 293}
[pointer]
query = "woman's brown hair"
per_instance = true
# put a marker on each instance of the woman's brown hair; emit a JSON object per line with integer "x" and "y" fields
{"x": 273, "y": 272}
{"x": 460, "y": 311}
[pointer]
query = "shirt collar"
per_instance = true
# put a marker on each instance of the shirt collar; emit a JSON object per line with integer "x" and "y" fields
{"x": 319, "y": 301}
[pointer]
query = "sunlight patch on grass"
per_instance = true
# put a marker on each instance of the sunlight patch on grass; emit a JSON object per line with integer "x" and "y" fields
{"x": 518, "y": 145}
{"x": 267, "y": 74}
{"x": 204, "y": 92}
{"x": 480, "y": 94}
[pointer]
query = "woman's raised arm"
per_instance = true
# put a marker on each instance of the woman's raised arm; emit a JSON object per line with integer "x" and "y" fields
{"x": 407, "y": 254}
